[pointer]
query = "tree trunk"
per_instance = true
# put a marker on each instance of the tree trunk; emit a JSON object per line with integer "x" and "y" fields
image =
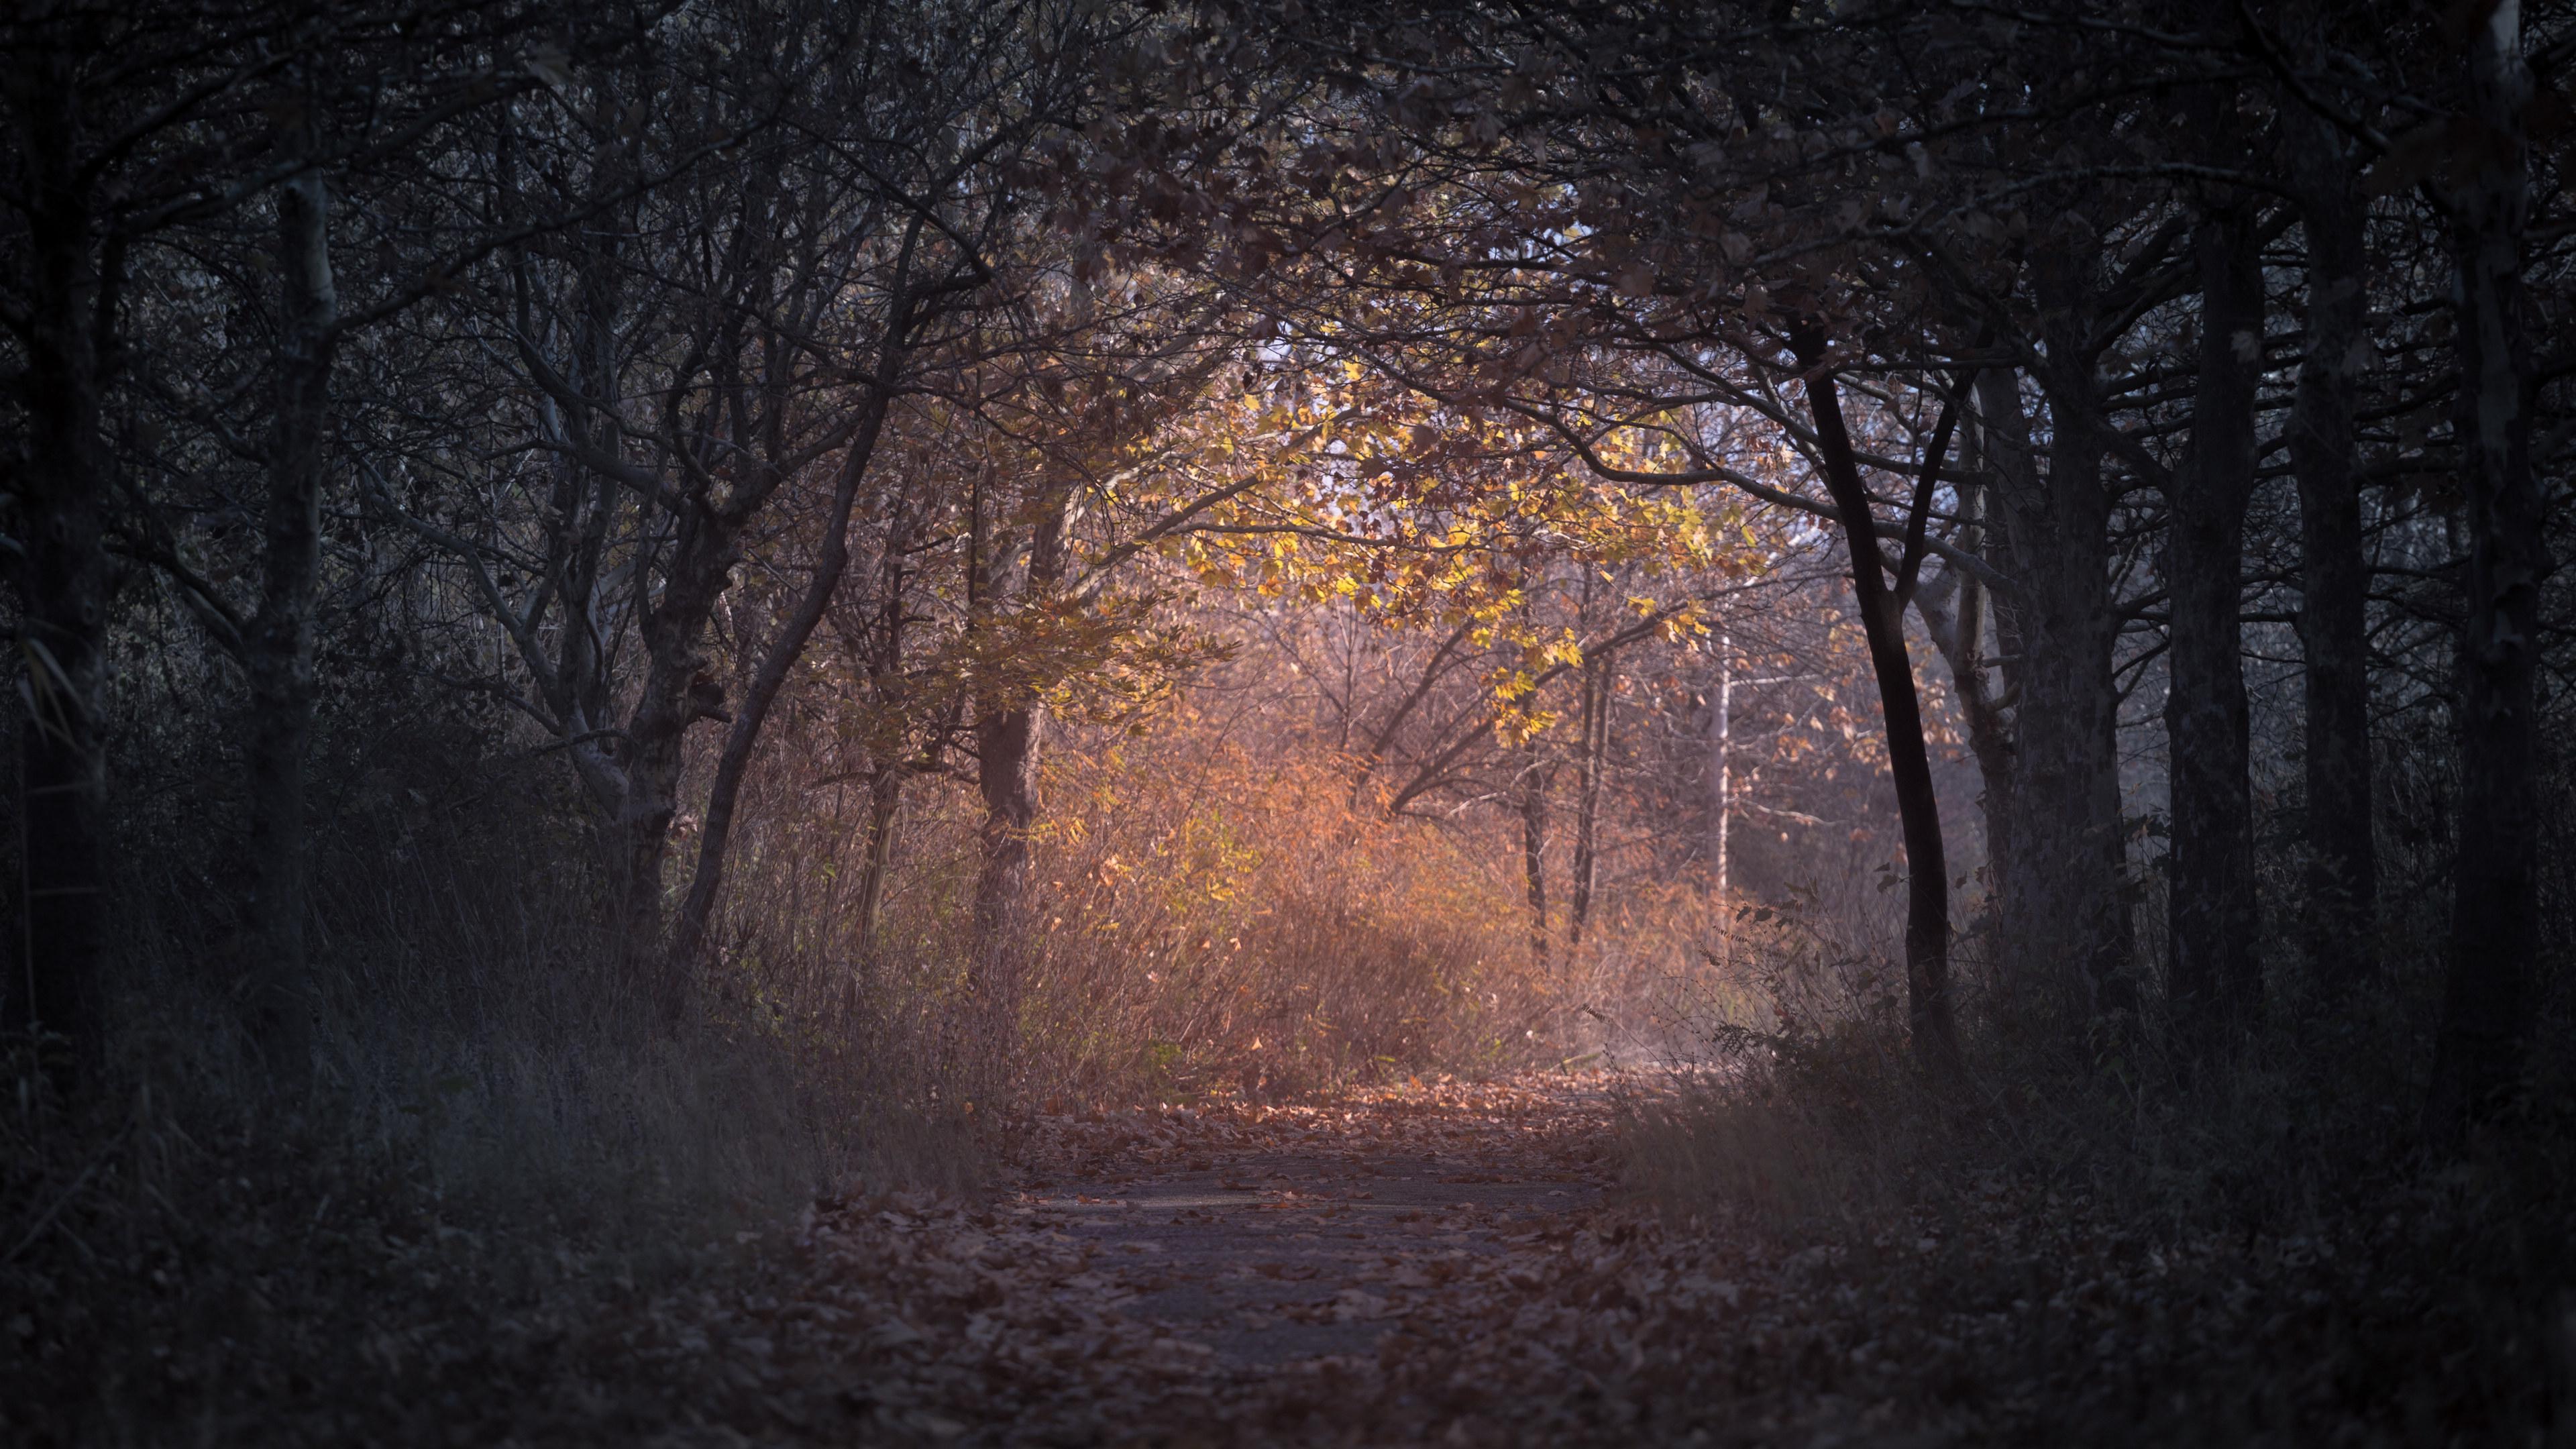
{"x": 887, "y": 692}
{"x": 725, "y": 791}
{"x": 61, "y": 491}
{"x": 2214, "y": 978}
{"x": 1533, "y": 791}
{"x": 1587, "y": 804}
{"x": 1954, "y": 614}
{"x": 2342, "y": 878}
{"x": 885, "y": 806}
{"x": 1721, "y": 764}
{"x": 1927, "y": 886}
{"x": 2495, "y": 929}
{"x": 1009, "y": 734}
{"x": 677, "y": 692}
{"x": 278, "y": 645}
{"x": 1007, "y": 742}
{"x": 1721, "y": 792}
{"x": 634, "y": 777}
{"x": 641, "y": 792}
{"x": 2065, "y": 922}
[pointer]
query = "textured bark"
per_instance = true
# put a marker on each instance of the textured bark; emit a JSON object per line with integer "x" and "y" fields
{"x": 2338, "y": 920}
{"x": 1929, "y": 1011}
{"x": 1010, "y": 733}
{"x": 277, "y": 648}
{"x": 61, "y": 487}
{"x": 2214, "y": 972}
{"x": 2065, "y": 924}
{"x": 2485, "y": 1037}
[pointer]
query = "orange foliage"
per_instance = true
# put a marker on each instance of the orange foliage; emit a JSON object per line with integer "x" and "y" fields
{"x": 1217, "y": 917}
{"x": 1224, "y": 917}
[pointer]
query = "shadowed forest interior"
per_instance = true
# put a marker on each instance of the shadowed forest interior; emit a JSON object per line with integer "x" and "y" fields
{"x": 697, "y": 682}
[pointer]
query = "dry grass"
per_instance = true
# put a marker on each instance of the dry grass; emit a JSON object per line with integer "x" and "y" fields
{"x": 1213, "y": 915}
{"x": 1218, "y": 917}
{"x": 1234, "y": 922}
{"x": 505, "y": 1153}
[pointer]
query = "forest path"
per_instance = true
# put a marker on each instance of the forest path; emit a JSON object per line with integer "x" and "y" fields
{"x": 1393, "y": 1265}
{"x": 1410, "y": 1265}
{"x": 1443, "y": 1263}
{"x": 1302, "y": 1233}
{"x": 1452, "y": 1264}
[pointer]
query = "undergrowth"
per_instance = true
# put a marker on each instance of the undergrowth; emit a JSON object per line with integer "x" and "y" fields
{"x": 504, "y": 1159}
{"x": 510, "y": 1165}
{"x": 2260, "y": 1244}
{"x": 1215, "y": 919}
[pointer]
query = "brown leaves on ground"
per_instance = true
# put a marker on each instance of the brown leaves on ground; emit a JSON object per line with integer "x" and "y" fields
{"x": 1444, "y": 1264}
{"x": 1441, "y": 1263}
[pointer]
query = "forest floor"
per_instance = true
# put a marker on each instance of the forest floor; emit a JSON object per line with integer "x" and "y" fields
{"x": 1443, "y": 1262}
{"x": 1454, "y": 1263}
{"x": 1376, "y": 1269}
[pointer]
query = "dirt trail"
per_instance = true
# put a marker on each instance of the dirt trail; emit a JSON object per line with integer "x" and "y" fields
{"x": 1174, "y": 1275}
{"x": 1430, "y": 1264}
{"x": 1435, "y": 1263}
{"x": 1307, "y": 1233}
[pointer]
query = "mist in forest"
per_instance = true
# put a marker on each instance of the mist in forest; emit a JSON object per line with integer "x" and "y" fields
{"x": 1174, "y": 721}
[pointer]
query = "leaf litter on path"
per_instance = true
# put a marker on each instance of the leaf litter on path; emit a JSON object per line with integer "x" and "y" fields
{"x": 1447, "y": 1263}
